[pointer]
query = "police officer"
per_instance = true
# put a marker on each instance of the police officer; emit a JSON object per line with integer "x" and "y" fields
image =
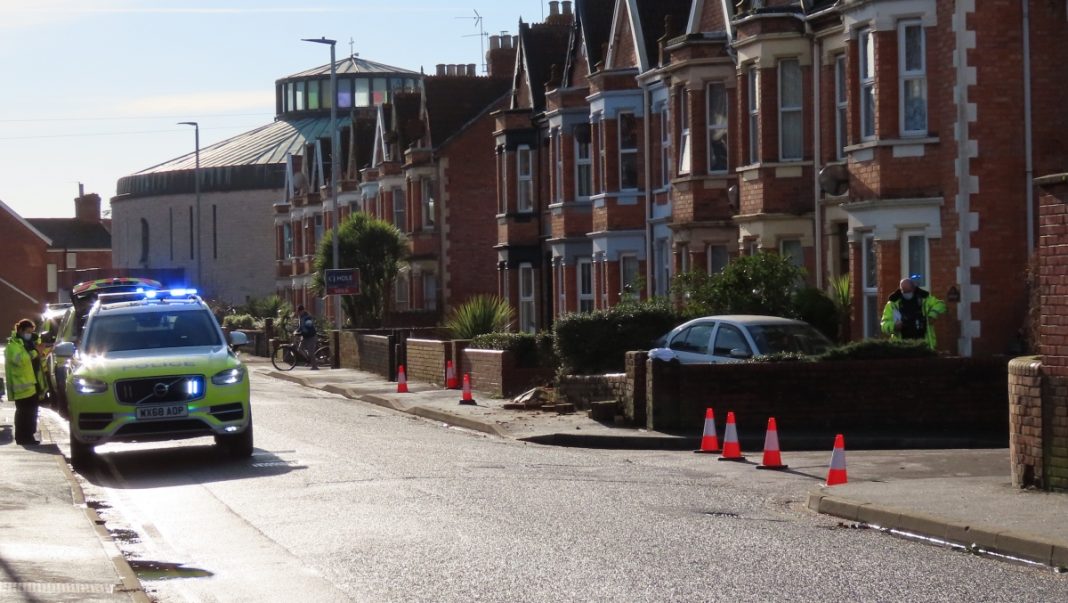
{"x": 909, "y": 312}
{"x": 23, "y": 376}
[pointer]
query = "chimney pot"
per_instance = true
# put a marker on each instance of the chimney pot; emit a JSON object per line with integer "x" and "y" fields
{"x": 452, "y": 69}
{"x": 472, "y": 69}
{"x": 567, "y": 8}
{"x": 554, "y": 8}
{"x": 495, "y": 42}
{"x": 441, "y": 69}
{"x": 515, "y": 41}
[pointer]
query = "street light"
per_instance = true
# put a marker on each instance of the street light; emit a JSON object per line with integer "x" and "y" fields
{"x": 335, "y": 179}
{"x": 196, "y": 189}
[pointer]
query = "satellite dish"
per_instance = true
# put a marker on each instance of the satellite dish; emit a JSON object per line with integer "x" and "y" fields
{"x": 834, "y": 180}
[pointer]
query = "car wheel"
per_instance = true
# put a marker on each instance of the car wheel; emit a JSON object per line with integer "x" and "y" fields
{"x": 237, "y": 446}
{"x": 81, "y": 455}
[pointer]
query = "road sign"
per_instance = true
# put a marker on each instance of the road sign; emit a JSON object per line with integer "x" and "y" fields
{"x": 343, "y": 281}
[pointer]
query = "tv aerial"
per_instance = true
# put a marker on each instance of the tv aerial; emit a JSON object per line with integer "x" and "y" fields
{"x": 481, "y": 35}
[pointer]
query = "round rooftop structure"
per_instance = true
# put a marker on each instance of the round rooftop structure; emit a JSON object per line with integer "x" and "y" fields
{"x": 256, "y": 159}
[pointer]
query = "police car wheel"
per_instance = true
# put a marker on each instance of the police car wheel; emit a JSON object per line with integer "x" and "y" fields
{"x": 238, "y": 446}
{"x": 81, "y": 455}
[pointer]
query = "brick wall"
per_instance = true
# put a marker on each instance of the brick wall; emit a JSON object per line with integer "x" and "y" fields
{"x": 1025, "y": 422}
{"x": 960, "y": 395}
{"x": 426, "y": 360}
{"x": 1053, "y": 327}
{"x": 494, "y": 372}
{"x": 580, "y": 390}
{"x": 24, "y": 272}
{"x": 634, "y": 407}
{"x": 377, "y": 354}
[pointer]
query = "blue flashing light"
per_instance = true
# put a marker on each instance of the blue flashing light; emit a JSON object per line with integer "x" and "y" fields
{"x": 192, "y": 388}
{"x": 182, "y": 292}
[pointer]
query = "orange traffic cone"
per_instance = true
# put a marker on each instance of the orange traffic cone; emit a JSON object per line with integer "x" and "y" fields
{"x": 402, "y": 380}
{"x": 732, "y": 450}
{"x": 709, "y": 442}
{"x": 772, "y": 458}
{"x": 450, "y": 376}
{"x": 837, "y": 473}
{"x": 467, "y": 400}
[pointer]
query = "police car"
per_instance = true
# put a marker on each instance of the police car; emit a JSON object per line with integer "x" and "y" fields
{"x": 155, "y": 365}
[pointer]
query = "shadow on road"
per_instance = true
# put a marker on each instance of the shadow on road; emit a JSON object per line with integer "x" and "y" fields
{"x": 181, "y": 465}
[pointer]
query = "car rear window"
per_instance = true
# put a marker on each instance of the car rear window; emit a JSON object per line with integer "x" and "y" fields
{"x": 151, "y": 330}
{"x": 802, "y": 339}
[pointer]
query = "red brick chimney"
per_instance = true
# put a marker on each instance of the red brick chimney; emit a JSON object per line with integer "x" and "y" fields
{"x": 87, "y": 207}
{"x": 500, "y": 60}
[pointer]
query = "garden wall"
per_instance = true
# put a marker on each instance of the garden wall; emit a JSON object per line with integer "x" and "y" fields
{"x": 950, "y": 396}
{"x": 580, "y": 390}
{"x": 494, "y": 372}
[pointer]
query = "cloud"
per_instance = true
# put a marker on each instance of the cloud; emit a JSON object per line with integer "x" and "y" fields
{"x": 198, "y": 103}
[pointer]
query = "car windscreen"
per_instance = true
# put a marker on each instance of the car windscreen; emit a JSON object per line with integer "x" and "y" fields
{"x": 151, "y": 330}
{"x": 780, "y": 338}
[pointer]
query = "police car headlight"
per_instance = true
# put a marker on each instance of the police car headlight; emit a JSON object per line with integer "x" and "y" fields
{"x": 88, "y": 385}
{"x": 229, "y": 377}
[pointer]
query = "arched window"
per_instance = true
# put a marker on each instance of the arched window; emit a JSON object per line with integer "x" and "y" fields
{"x": 144, "y": 241}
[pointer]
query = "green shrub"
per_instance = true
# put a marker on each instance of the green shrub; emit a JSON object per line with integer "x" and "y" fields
{"x": 817, "y": 309}
{"x": 272, "y": 306}
{"x": 597, "y": 342}
{"x": 545, "y": 341}
{"x": 239, "y": 321}
{"x": 523, "y": 346}
{"x": 879, "y": 349}
{"x": 480, "y": 315}
{"x": 758, "y": 284}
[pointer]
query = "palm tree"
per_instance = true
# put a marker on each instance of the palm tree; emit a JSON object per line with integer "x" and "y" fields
{"x": 378, "y": 250}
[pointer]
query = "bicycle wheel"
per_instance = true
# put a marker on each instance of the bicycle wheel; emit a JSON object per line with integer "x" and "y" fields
{"x": 284, "y": 358}
{"x": 323, "y": 357}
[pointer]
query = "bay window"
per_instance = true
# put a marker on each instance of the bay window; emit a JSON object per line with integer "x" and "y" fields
{"x": 717, "y": 127}
{"x": 790, "y": 126}
{"x": 867, "y": 84}
{"x": 628, "y": 152}
{"x": 912, "y": 67}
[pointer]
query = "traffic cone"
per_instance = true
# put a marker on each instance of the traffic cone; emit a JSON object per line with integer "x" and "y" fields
{"x": 467, "y": 400}
{"x": 732, "y": 450}
{"x": 402, "y": 380}
{"x": 772, "y": 458}
{"x": 450, "y": 376}
{"x": 709, "y": 442}
{"x": 837, "y": 473}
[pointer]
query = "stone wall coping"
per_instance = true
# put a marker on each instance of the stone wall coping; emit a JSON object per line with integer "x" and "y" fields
{"x": 1026, "y": 366}
{"x": 1052, "y": 179}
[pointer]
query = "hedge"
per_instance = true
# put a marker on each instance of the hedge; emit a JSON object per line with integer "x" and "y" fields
{"x": 597, "y": 342}
{"x": 528, "y": 349}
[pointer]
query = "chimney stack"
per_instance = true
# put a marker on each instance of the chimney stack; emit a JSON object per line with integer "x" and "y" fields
{"x": 87, "y": 207}
{"x": 500, "y": 60}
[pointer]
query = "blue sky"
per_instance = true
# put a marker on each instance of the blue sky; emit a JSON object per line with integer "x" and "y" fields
{"x": 92, "y": 88}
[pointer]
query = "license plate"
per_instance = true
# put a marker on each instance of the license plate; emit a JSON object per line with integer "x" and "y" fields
{"x": 162, "y": 412}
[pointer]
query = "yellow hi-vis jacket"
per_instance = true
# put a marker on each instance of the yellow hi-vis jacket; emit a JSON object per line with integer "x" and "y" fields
{"x": 19, "y": 376}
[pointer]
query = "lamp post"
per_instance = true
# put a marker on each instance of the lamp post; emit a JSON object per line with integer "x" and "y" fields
{"x": 335, "y": 178}
{"x": 196, "y": 189}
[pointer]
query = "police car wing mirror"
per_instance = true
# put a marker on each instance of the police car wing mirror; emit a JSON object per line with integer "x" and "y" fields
{"x": 238, "y": 339}
{"x": 64, "y": 350}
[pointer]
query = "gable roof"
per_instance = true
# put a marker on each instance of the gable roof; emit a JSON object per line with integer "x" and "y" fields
{"x": 29, "y": 226}
{"x": 646, "y": 19}
{"x": 541, "y": 46}
{"x": 595, "y": 19}
{"x": 453, "y": 101}
{"x": 72, "y": 233}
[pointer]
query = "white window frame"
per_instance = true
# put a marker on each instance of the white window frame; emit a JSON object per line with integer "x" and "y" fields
{"x": 628, "y": 151}
{"x": 708, "y": 258}
{"x": 319, "y": 230}
{"x": 869, "y": 290}
{"x": 685, "y": 134}
{"x": 841, "y": 104}
{"x": 665, "y": 147}
{"x": 402, "y": 294}
{"x": 714, "y": 128}
{"x": 583, "y": 162}
{"x": 624, "y": 258}
{"x": 427, "y": 202}
{"x": 604, "y": 282}
{"x": 798, "y": 110}
{"x": 799, "y": 261}
{"x": 753, "y": 82}
{"x": 561, "y": 287}
{"x": 905, "y": 76}
{"x": 906, "y": 270}
{"x": 558, "y": 175}
{"x": 584, "y": 298}
{"x": 684, "y": 258}
{"x": 52, "y": 278}
{"x": 400, "y": 210}
{"x": 502, "y": 185}
{"x": 662, "y": 265}
{"x": 866, "y": 76}
{"x": 287, "y": 240}
{"x": 602, "y": 155}
{"x": 430, "y": 294}
{"x": 524, "y": 205}
{"x": 527, "y": 304}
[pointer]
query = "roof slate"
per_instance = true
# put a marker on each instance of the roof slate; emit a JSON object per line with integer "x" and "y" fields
{"x": 544, "y": 45}
{"x": 452, "y": 102}
{"x": 652, "y": 14}
{"x": 72, "y": 233}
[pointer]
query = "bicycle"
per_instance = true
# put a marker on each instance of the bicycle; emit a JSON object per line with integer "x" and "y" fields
{"x": 288, "y": 355}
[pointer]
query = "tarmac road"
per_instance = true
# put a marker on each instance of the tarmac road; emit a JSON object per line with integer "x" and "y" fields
{"x": 348, "y": 501}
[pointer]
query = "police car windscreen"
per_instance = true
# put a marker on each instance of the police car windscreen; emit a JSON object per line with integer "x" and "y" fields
{"x": 151, "y": 330}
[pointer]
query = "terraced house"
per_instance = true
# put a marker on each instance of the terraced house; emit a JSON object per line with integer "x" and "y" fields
{"x": 875, "y": 138}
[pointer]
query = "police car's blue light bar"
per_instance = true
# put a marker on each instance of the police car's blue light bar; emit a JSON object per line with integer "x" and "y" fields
{"x": 152, "y": 294}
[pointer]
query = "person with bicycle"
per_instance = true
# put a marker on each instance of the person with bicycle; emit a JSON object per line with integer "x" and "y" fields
{"x": 308, "y": 337}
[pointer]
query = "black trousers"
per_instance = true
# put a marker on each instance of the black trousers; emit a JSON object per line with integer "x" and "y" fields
{"x": 25, "y": 420}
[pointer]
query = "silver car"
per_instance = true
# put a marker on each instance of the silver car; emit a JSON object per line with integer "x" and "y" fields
{"x": 734, "y": 338}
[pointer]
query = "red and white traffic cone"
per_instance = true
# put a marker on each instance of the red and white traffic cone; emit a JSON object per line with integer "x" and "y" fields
{"x": 467, "y": 400}
{"x": 772, "y": 456}
{"x": 837, "y": 473}
{"x": 732, "y": 449}
{"x": 709, "y": 442}
{"x": 450, "y": 376}
{"x": 402, "y": 380}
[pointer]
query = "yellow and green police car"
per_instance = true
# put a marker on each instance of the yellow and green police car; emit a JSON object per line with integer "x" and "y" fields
{"x": 151, "y": 366}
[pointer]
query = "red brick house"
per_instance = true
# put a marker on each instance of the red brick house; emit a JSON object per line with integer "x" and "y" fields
{"x": 43, "y": 255}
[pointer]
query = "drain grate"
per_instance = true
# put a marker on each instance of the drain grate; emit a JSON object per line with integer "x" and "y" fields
{"x": 58, "y": 588}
